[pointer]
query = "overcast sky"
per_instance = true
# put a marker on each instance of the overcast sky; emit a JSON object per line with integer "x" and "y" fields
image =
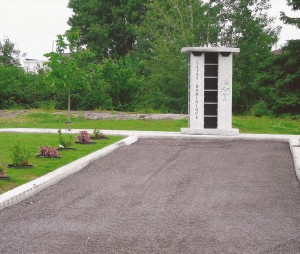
{"x": 33, "y": 24}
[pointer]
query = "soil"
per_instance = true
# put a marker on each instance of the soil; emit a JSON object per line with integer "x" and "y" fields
{"x": 97, "y": 115}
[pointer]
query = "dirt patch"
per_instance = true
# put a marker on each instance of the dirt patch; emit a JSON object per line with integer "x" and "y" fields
{"x": 105, "y": 115}
{"x": 127, "y": 116}
{"x": 12, "y": 114}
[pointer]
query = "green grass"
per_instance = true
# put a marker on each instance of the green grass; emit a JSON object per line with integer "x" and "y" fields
{"x": 266, "y": 125}
{"x": 42, "y": 166}
{"x": 50, "y": 119}
{"x": 46, "y": 119}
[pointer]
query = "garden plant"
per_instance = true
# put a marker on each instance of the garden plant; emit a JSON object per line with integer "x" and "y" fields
{"x": 63, "y": 143}
{"x": 98, "y": 135}
{"x": 20, "y": 156}
{"x": 2, "y": 170}
{"x": 48, "y": 152}
{"x": 84, "y": 138}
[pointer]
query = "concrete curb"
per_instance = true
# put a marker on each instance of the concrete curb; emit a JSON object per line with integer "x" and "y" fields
{"x": 29, "y": 189}
{"x": 295, "y": 150}
{"x": 154, "y": 134}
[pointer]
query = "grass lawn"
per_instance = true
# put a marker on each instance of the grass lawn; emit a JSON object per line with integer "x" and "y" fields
{"x": 41, "y": 165}
{"x": 266, "y": 125}
{"x": 46, "y": 119}
{"x": 49, "y": 119}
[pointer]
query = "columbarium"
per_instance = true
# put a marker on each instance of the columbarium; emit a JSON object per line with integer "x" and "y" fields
{"x": 210, "y": 91}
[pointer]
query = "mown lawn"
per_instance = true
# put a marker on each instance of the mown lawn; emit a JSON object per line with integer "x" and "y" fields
{"x": 42, "y": 166}
{"x": 267, "y": 125}
{"x": 50, "y": 119}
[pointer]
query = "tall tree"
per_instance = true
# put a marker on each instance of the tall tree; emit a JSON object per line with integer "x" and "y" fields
{"x": 107, "y": 27}
{"x": 295, "y": 4}
{"x": 9, "y": 54}
{"x": 287, "y": 86}
{"x": 167, "y": 27}
{"x": 170, "y": 25}
{"x": 279, "y": 77}
{"x": 245, "y": 24}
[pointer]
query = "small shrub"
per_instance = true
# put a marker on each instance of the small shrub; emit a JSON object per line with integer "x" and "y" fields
{"x": 98, "y": 135}
{"x": 83, "y": 137}
{"x": 2, "y": 170}
{"x": 20, "y": 156}
{"x": 48, "y": 152}
{"x": 261, "y": 109}
{"x": 63, "y": 144}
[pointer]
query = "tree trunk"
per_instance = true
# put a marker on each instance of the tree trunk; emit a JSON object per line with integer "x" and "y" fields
{"x": 69, "y": 108}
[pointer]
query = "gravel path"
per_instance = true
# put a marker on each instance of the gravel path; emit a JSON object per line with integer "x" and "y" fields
{"x": 166, "y": 196}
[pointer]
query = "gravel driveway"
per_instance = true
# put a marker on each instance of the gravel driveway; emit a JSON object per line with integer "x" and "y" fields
{"x": 166, "y": 196}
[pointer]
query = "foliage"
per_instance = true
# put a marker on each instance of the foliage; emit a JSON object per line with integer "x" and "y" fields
{"x": 125, "y": 55}
{"x": 295, "y": 4}
{"x": 47, "y": 151}
{"x": 2, "y": 168}
{"x": 83, "y": 137}
{"x": 63, "y": 143}
{"x": 20, "y": 156}
{"x": 170, "y": 25}
{"x": 22, "y": 89}
{"x": 107, "y": 27}
{"x": 98, "y": 135}
{"x": 66, "y": 70}
{"x": 122, "y": 77}
{"x": 279, "y": 77}
{"x": 261, "y": 109}
{"x": 9, "y": 54}
{"x": 246, "y": 25}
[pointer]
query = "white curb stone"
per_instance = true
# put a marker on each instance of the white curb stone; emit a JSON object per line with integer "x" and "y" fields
{"x": 29, "y": 189}
{"x": 295, "y": 149}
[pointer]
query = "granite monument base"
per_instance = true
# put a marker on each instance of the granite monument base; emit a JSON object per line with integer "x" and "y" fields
{"x": 221, "y": 132}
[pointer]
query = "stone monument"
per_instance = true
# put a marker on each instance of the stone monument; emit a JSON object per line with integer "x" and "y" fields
{"x": 210, "y": 91}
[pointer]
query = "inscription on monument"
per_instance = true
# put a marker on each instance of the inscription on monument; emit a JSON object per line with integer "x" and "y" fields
{"x": 225, "y": 90}
{"x": 197, "y": 91}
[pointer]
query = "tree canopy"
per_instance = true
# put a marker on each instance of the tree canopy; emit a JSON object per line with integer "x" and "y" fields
{"x": 9, "y": 54}
{"x": 107, "y": 27}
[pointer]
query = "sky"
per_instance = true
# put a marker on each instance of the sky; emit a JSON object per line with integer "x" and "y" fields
{"x": 34, "y": 24}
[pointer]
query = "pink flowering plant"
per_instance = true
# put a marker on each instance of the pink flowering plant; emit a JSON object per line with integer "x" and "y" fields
{"x": 83, "y": 137}
{"x": 48, "y": 152}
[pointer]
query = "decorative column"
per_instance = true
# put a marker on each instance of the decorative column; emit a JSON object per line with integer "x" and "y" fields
{"x": 210, "y": 91}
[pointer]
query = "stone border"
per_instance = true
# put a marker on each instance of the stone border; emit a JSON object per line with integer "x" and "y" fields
{"x": 29, "y": 189}
{"x": 295, "y": 150}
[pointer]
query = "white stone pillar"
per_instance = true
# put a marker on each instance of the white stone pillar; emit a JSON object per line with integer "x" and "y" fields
{"x": 210, "y": 91}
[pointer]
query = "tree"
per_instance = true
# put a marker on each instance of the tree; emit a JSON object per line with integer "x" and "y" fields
{"x": 295, "y": 4}
{"x": 9, "y": 54}
{"x": 66, "y": 70}
{"x": 170, "y": 25}
{"x": 108, "y": 28}
{"x": 279, "y": 77}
